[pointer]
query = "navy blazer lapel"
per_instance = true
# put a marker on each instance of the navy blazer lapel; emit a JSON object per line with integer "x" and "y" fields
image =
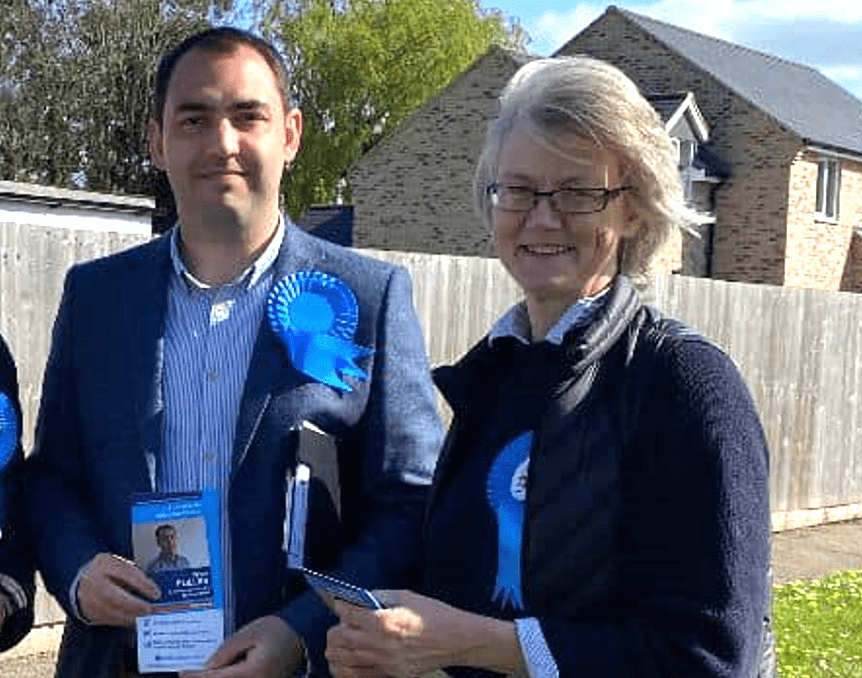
{"x": 270, "y": 367}
{"x": 144, "y": 302}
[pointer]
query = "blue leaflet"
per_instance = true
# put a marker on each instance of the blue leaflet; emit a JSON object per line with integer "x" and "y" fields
{"x": 507, "y": 489}
{"x": 315, "y": 316}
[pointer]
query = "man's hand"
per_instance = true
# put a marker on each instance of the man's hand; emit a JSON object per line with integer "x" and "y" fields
{"x": 111, "y": 591}
{"x": 264, "y": 648}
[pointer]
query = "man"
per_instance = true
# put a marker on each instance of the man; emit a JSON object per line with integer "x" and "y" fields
{"x": 165, "y": 374}
{"x": 168, "y": 558}
{"x": 16, "y": 568}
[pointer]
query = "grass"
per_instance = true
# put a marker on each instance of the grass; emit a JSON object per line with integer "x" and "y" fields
{"x": 818, "y": 625}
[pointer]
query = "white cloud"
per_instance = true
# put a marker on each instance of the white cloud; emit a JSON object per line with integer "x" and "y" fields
{"x": 552, "y": 29}
{"x": 826, "y": 34}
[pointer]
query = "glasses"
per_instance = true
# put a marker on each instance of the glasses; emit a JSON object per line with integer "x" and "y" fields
{"x": 564, "y": 200}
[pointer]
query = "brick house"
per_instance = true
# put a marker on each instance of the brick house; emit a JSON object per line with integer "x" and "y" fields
{"x": 412, "y": 191}
{"x": 790, "y": 211}
{"x": 778, "y": 159}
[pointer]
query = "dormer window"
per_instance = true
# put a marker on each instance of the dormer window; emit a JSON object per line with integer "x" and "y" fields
{"x": 828, "y": 187}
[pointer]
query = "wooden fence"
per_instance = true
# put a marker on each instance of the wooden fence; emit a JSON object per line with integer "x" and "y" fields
{"x": 800, "y": 351}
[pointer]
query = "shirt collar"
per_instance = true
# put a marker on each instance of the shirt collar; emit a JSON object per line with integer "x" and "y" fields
{"x": 249, "y": 276}
{"x": 516, "y": 321}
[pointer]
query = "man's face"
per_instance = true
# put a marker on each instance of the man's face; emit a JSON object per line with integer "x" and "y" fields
{"x": 168, "y": 541}
{"x": 225, "y": 138}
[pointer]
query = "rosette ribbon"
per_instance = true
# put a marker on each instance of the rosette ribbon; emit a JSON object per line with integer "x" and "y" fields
{"x": 507, "y": 491}
{"x": 315, "y": 316}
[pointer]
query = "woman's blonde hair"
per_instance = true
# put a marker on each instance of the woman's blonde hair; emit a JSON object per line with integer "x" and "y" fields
{"x": 579, "y": 96}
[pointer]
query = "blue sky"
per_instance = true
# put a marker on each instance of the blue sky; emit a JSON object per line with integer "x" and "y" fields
{"x": 825, "y": 34}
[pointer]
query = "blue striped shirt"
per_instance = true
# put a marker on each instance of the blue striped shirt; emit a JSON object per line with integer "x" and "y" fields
{"x": 209, "y": 337}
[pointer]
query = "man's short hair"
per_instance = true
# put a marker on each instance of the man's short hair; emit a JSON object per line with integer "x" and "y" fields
{"x": 162, "y": 528}
{"x": 221, "y": 40}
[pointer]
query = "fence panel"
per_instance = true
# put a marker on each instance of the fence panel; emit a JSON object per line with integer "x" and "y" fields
{"x": 800, "y": 352}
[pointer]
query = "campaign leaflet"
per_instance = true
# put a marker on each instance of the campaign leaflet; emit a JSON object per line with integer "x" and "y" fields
{"x": 176, "y": 543}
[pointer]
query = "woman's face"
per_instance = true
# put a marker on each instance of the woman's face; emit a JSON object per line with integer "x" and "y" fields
{"x": 556, "y": 257}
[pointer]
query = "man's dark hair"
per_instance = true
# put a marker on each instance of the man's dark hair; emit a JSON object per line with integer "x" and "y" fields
{"x": 222, "y": 40}
{"x": 162, "y": 528}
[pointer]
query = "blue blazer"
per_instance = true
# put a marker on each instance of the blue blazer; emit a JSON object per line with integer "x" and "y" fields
{"x": 99, "y": 433}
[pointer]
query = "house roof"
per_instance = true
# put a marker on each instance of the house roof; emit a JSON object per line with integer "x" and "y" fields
{"x": 797, "y": 96}
{"x": 666, "y": 105}
{"x": 329, "y": 222}
{"x": 671, "y": 108}
{"x": 56, "y": 197}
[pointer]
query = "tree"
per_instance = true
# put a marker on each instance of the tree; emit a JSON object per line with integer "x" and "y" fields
{"x": 34, "y": 91}
{"x": 359, "y": 67}
{"x": 74, "y": 99}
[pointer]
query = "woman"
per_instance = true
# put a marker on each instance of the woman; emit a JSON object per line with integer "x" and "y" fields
{"x": 600, "y": 507}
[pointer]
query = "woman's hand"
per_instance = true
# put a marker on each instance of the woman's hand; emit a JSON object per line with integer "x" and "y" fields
{"x": 412, "y": 636}
{"x": 415, "y": 635}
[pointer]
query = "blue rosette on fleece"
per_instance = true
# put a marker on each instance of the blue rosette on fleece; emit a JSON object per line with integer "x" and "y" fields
{"x": 8, "y": 442}
{"x": 315, "y": 316}
{"x": 506, "y": 493}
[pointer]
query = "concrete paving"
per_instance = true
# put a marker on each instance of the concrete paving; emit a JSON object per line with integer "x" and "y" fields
{"x": 33, "y": 657}
{"x": 812, "y": 552}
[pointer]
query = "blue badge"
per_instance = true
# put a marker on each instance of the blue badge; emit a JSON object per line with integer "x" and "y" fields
{"x": 315, "y": 315}
{"x": 507, "y": 493}
{"x": 8, "y": 430}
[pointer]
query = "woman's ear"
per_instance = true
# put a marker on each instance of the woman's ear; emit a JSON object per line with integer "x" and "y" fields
{"x": 631, "y": 218}
{"x": 631, "y": 225}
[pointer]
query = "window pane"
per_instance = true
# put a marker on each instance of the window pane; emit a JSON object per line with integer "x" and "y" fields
{"x": 819, "y": 205}
{"x": 828, "y": 187}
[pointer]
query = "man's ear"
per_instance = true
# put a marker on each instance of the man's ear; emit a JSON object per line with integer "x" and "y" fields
{"x": 156, "y": 144}
{"x": 292, "y": 134}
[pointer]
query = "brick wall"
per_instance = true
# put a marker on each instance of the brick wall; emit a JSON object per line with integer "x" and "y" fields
{"x": 850, "y": 217}
{"x": 751, "y": 207}
{"x": 669, "y": 258}
{"x": 413, "y": 191}
{"x": 816, "y": 247}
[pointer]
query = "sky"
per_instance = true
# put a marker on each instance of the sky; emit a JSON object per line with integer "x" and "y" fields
{"x": 824, "y": 34}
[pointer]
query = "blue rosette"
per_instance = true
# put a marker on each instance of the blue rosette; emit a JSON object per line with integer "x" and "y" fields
{"x": 8, "y": 443}
{"x": 506, "y": 494}
{"x": 8, "y": 430}
{"x": 315, "y": 316}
